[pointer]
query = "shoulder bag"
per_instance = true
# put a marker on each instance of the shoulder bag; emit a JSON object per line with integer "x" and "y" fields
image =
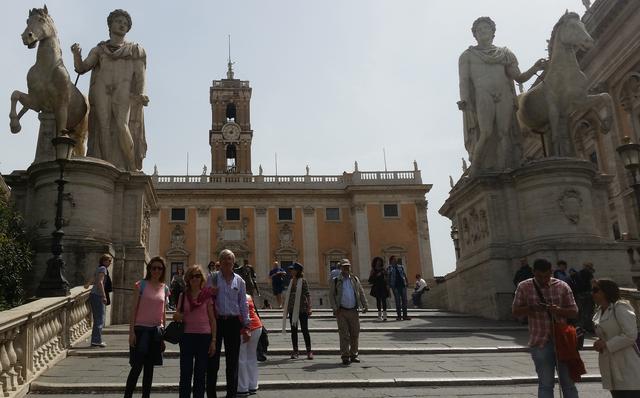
{"x": 173, "y": 332}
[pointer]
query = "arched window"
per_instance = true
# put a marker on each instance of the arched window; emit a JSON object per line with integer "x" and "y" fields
{"x": 231, "y": 112}
{"x": 231, "y": 158}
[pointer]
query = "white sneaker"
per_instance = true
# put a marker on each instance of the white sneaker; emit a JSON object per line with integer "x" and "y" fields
{"x": 380, "y": 318}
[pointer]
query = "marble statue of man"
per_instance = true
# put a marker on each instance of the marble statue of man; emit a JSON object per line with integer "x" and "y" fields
{"x": 488, "y": 100}
{"x": 116, "y": 95}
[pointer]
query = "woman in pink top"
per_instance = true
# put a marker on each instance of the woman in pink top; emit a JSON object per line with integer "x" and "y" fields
{"x": 248, "y": 361}
{"x": 195, "y": 309}
{"x": 145, "y": 326}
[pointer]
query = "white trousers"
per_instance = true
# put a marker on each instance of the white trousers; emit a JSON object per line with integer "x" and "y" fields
{"x": 248, "y": 363}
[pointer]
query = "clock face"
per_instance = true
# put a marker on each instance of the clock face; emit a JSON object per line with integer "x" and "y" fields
{"x": 231, "y": 132}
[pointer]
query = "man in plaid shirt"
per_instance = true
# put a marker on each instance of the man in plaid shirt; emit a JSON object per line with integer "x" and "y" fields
{"x": 558, "y": 300}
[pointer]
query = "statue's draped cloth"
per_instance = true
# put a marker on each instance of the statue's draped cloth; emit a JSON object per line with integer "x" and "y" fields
{"x": 116, "y": 118}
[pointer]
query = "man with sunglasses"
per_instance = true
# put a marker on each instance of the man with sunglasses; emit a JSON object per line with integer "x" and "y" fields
{"x": 537, "y": 298}
{"x": 232, "y": 315}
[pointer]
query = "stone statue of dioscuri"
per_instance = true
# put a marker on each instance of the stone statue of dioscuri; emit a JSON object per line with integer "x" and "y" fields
{"x": 488, "y": 100}
{"x": 116, "y": 95}
{"x": 49, "y": 87}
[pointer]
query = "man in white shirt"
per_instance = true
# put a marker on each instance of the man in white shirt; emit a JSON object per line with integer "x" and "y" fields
{"x": 421, "y": 287}
{"x": 347, "y": 296}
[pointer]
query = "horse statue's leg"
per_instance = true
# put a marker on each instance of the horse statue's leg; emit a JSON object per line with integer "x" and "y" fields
{"x": 27, "y": 103}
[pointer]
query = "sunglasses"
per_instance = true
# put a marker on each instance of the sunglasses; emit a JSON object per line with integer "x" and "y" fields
{"x": 196, "y": 276}
{"x": 157, "y": 268}
{"x": 595, "y": 290}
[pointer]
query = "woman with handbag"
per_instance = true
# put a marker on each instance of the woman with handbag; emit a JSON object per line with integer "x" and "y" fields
{"x": 145, "y": 327}
{"x": 379, "y": 286}
{"x": 195, "y": 310}
{"x": 99, "y": 298}
{"x": 248, "y": 360}
{"x": 297, "y": 305}
{"x": 617, "y": 331}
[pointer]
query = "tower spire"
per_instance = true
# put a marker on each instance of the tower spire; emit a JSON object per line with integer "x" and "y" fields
{"x": 229, "y": 63}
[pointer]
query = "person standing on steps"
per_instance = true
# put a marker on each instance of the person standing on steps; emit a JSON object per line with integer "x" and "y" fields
{"x": 145, "y": 327}
{"x": 379, "y": 286}
{"x": 346, "y": 296}
{"x": 398, "y": 283}
{"x": 297, "y": 306}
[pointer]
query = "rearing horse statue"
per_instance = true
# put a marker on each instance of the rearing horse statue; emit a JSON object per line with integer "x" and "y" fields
{"x": 49, "y": 86}
{"x": 547, "y": 107}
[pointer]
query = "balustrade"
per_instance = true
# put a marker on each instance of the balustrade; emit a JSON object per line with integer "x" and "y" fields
{"x": 36, "y": 335}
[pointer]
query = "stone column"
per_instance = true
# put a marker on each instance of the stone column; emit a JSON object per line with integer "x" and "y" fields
{"x": 310, "y": 244}
{"x": 424, "y": 244}
{"x": 261, "y": 236}
{"x": 154, "y": 233}
{"x": 362, "y": 263}
{"x": 203, "y": 236}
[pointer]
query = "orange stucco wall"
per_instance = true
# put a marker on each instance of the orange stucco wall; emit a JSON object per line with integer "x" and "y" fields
{"x": 385, "y": 232}
{"x": 166, "y": 227}
{"x": 332, "y": 235}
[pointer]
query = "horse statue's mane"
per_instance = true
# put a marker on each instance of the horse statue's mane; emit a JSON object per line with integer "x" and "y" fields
{"x": 556, "y": 27}
{"x": 44, "y": 13}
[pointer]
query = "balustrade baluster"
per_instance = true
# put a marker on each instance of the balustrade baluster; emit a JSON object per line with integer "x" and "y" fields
{"x": 19, "y": 351}
{"x": 37, "y": 341}
{"x": 5, "y": 365}
{"x": 13, "y": 374}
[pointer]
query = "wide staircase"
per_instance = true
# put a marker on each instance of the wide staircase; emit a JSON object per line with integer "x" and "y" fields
{"x": 436, "y": 353}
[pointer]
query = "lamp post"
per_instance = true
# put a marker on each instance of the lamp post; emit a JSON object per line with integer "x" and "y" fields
{"x": 456, "y": 240}
{"x": 54, "y": 283}
{"x": 630, "y": 154}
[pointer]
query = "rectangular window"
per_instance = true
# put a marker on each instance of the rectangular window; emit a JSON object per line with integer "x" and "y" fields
{"x": 233, "y": 214}
{"x": 175, "y": 266}
{"x": 332, "y": 214}
{"x": 391, "y": 210}
{"x": 179, "y": 214}
{"x": 285, "y": 214}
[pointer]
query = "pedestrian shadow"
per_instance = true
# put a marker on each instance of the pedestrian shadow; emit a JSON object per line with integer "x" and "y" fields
{"x": 323, "y": 366}
{"x": 275, "y": 361}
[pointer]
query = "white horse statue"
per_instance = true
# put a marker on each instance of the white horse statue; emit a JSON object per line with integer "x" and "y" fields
{"x": 49, "y": 86}
{"x": 547, "y": 107}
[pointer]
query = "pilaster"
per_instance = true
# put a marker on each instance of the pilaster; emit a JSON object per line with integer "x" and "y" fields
{"x": 310, "y": 243}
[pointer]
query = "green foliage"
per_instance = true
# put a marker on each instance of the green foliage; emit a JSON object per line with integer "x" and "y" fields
{"x": 16, "y": 256}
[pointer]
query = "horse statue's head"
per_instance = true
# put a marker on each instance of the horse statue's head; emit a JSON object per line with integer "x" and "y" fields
{"x": 39, "y": 27}
{"x": 569, "y": 31}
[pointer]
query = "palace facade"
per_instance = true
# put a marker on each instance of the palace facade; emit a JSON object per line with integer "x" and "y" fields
{"x": 313, "y": 219}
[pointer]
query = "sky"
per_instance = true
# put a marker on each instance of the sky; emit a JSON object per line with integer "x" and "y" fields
{"x": 334, "y": 81}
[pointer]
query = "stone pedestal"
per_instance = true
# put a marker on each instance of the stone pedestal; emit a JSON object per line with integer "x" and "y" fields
{"x": 105, "y": 210}
{"x": 552, "y": 208}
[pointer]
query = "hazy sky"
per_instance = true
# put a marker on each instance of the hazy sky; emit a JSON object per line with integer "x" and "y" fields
{"x": 334, "y": 81}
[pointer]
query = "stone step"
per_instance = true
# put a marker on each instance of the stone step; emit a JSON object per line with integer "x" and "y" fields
{"x": 173, "y": 351}
{"x": 40, "y": 387}
{"x": 585, "y": 389}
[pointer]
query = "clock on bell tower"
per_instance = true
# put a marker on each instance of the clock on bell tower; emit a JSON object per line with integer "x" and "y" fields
{"x": 230, "y": 135}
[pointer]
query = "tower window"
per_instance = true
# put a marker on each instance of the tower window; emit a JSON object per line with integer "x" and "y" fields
{"x": 231, "y": 158}
{"x": 391, "y": 211}
{"x": 231, "y": 112}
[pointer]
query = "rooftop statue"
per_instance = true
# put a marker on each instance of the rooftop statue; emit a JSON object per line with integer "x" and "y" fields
{"x": 49, "y": 86}
{"x": 116, "y": 95}
{"x": 546, "y": 108}
{"x": 488, "y": 101}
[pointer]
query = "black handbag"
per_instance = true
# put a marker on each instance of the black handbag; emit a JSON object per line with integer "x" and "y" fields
{"x": 173, "y": 332}
{"x": 263, "y": 343}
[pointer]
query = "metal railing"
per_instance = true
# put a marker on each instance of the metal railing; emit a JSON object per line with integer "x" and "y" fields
{"x": 34, "y": 336}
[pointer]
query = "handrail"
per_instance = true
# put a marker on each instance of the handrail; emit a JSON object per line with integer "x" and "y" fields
{"x": 34, "y": 336}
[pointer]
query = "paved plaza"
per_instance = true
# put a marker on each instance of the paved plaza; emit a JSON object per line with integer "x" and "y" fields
{"x": 434, "y": 354}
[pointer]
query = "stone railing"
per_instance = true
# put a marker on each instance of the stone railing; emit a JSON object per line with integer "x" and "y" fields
{"x": 34, "y": 336}
{"x": 633, "y": 296}
{"x": 290, "y": 181}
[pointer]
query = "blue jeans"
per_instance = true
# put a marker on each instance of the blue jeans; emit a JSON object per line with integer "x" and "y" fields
{"x": 545, "y": 360}
{"x": 194, "y": 353}
{"x": 400, "y": 295}
{"x": 97, "y": 310}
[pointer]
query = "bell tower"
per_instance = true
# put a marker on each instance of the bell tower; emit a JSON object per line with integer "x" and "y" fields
{"x": 230, "y": 135}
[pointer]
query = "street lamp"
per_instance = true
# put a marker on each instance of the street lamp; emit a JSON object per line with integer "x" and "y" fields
{"x": 54, "y": 283}
{"x": 630, "y": 154}
{"x": 456, "y": 240}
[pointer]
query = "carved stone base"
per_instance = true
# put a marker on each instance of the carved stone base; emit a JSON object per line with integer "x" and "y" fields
{"x": 104, "y": 211}
{"x": 553, "y": 208}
